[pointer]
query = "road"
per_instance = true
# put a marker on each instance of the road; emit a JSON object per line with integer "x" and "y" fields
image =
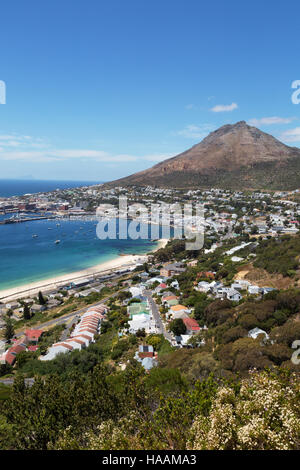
{"x": 69, "y": 316}
{"x": 156, "y": 314}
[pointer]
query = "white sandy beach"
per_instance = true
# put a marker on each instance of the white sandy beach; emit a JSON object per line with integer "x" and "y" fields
{"x": 52, "y": 283}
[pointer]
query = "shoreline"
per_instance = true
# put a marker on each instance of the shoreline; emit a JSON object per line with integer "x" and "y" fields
{"x": 107, "y": 267}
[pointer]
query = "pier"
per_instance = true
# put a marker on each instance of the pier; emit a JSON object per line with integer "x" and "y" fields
{"x": 27, "y": 219}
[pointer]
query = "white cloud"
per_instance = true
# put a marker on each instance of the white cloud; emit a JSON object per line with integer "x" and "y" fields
{"x": 190, "y": 106}
{"x": 34, "y": 150}
{"x": 193, "y": 131}
{"x": 292, "y": 135}
{"x": 28, "y": 149}
{"x": 14, "y": 140}
{"x": 221, "y": 108}
{"x": 271, "y": 120}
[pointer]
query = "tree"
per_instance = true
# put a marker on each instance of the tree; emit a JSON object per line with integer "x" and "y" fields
{"x": 26, "y": 312}
{"x": 9, "y": 330}
{"x": 141, "y": 333}
{"x": 42, "y": 300}
{"x": 177, "y": 327}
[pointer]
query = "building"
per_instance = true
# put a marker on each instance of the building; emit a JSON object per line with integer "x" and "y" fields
{"x": 178, "y": 310}
{"x": 172, "y": 269}
{"x": 9, "y": 356}
{"x": 33, "y": 336}
{"x": 192, "y": 326}
{"x": 82, "y": 335}
{"x": 255, "y": 332}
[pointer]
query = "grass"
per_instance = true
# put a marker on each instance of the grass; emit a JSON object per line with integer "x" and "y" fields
{"x": 5, "y": 391}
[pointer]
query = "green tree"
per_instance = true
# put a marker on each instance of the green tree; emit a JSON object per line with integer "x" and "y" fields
{"x": 26, "y": 312}
{"x": 42, "y": 299}
{"x": 177, "y": 327}
{"x": 9, "y": 330}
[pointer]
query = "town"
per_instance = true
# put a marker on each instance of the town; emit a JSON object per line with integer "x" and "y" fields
{"x": 147, "y": 299}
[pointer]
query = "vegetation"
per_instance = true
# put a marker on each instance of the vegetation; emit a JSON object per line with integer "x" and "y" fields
{"x": 279, "y": 255}
{"x": 133, "y": 410}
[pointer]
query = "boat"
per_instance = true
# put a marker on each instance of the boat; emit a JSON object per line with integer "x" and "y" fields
{"x": 34, "y": 236}
{"x": 57, "y": 242}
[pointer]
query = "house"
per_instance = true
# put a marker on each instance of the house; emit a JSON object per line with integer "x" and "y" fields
{"x": 233, "y": 295}
{"x": 140, "y": 322}
{"x": 203, "y": 286}
{"x": 155, "y": 279}
{"x": 58, "y": 348}
{"x": 193, "y": 263}
{"x": 180, "y": 314}
{"x": 36, "y": 308}
{"x": 52, "y": 303}
{"x": 255, "y": 332}
{"x": 13, "y": 305}
{"x": 82, "y": 335}
{"x": 266, "y": 290}
{"x": 175, "y": 284}
{"x": 146, "y": 356}
{"x": 253, "y": 290}
{"x": 76, "y": 343}
{"x": 192, "y": 326}
{"x": 145, "y": 351}
{"x": 161, "y": 287}
{"x": 183, "y": 341}
{"x": 236, "y": 259}
{"x": 172, "y": 269}
{"x": 79, "y": 283}
{"x": 170, "y": 300}
{"x": 241, "y": 284}
{"x": 33, "y": 336}
{"x": 9, "y": 356}
{"x": 178, "y": 309}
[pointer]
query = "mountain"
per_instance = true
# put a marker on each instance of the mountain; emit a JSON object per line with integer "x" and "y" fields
{"x": 235, "y": 156}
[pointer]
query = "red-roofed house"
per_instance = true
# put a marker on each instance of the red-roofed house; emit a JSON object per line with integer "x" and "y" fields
{"x": 33, "y": 335}
{"x": 10, "y": 356}
{"x": 192, "y": 326}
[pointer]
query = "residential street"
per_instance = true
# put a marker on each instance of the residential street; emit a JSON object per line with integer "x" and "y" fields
{"x": 157, "y": 317}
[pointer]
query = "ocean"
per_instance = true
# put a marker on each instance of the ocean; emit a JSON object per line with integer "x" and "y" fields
{"x": 25, "y": 259}
{"x": 11, "y": 187}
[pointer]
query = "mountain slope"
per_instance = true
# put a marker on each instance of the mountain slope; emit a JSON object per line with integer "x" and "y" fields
{"x": 235, "y": 156}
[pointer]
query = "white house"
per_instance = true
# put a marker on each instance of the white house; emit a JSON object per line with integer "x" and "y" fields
{"x": 139, "y": 322}
{"x": 253, "y": 290}
{"x": 203, "y": 286}
{"x": 58, "y": 348}
{"x": 255, "y": 332}
{"x": 233, "y": 295}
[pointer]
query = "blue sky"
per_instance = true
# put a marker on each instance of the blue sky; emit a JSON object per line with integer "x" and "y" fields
{"x": 96, "y": 89}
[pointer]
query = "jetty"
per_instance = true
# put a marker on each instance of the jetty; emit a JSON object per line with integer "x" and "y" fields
{"x": 26, "y": 219}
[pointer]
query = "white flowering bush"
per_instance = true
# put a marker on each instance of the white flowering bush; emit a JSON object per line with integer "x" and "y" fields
{"x": 262, "y": 412}
{"x": 264, "y": 415}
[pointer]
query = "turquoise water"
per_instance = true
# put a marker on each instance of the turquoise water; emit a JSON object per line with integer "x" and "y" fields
{"x": 24, "y": 259}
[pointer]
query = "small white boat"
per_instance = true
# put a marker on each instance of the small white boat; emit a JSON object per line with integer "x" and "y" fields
{"x": 34, "y": 236}
{"x": 57, "y": 242}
